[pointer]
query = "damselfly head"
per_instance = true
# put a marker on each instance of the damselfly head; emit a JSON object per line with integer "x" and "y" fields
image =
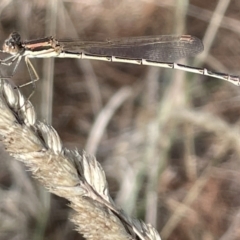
{"x": 12, "y": 44}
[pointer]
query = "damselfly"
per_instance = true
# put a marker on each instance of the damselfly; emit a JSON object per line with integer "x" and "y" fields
{"x": 159, "y": 51}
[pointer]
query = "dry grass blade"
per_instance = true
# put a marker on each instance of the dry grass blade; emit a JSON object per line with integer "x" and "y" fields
{"x": 75, "y": 176}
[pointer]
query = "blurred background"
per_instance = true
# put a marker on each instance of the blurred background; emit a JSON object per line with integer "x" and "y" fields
{"x": 168, "y": 141}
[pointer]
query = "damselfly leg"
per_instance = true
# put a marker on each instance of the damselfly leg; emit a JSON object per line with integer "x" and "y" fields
{"x": 33, "y": 75}
{"x": 31, "y": 70}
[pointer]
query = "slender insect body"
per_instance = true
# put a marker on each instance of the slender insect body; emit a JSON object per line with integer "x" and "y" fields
{"x": 158, "y": 51}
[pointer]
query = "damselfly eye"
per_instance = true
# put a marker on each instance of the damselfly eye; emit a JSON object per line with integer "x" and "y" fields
{"x": 15, "y": 36}
{"x": 8, "y": 43}
{"x": 13, "y": 40}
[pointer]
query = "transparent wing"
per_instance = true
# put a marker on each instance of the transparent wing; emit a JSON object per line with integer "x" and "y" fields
{"x": 155, "y": 48}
